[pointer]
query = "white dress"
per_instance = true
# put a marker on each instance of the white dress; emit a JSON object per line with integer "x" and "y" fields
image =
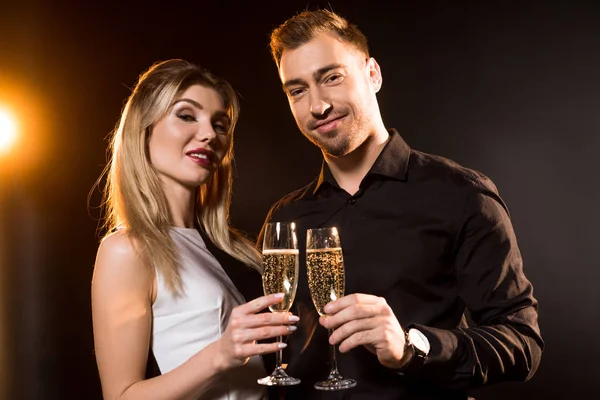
{"x": 184, "y": 325}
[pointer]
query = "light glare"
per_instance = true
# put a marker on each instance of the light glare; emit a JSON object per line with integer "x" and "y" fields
{"x": 8, "y": 131}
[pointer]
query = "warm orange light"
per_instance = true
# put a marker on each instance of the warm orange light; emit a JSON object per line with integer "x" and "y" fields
{"x": 8, "y": 131}
{"x": 25, "y": 129}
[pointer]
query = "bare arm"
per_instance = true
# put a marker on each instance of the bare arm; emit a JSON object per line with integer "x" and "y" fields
{"x": 122, "y": 290}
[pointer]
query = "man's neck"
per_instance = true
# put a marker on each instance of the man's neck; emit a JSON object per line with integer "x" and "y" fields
{"x": 350, "y": 170}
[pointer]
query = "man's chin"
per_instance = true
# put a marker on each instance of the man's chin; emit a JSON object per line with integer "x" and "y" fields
{"x": 335, "y": 151}
{"x": 329, "y": 143}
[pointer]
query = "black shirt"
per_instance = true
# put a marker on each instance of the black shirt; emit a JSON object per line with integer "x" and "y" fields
{"x": 435, "y": 240}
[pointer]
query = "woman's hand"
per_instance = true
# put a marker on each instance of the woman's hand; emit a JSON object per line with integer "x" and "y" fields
{"x": 245, "y": 327}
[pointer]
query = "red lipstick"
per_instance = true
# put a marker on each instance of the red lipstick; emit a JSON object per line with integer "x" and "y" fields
{"x": 201, "y": 156}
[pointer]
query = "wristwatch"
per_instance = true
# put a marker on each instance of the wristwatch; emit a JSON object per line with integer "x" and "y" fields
{"x": 418, "y": 344}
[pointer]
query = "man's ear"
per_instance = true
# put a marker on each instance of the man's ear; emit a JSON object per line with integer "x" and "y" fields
{"x": 374, "y": 74}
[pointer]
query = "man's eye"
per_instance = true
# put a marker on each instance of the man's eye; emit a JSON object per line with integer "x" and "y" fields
{"x": 186, "y": 117}
{"x": 296, "y": 92}
{"x": 333, "y": 78}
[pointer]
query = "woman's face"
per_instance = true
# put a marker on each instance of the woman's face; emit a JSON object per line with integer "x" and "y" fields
{"x": 188, "y": 143}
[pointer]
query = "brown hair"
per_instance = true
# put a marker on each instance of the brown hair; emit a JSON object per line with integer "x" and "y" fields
{"x": 303, "y": 27}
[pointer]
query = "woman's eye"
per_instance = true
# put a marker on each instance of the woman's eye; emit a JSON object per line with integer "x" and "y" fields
{"x": 186, "y": 117}
{"x": 221, "y": 129}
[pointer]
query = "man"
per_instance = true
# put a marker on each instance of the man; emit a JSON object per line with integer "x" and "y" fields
{"x": 424, "y": 240}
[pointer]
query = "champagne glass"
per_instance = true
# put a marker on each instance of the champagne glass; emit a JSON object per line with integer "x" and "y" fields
{"x": 325, "y": 270}
{"x": 280, "y": 275}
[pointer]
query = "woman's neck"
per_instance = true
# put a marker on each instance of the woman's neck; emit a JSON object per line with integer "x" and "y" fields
{"x": 181, "y": 202}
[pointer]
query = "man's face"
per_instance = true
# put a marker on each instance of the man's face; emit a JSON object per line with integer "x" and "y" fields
{"x": 331, "y": 89}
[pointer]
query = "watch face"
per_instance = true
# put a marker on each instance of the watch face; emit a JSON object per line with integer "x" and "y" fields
{"x": 419, "y": 340}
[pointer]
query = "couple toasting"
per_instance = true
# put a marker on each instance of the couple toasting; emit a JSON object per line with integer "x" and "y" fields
{"x": 424, "y": 240}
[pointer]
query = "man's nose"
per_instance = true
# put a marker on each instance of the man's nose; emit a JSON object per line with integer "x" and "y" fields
{"x": 319, "y": 105}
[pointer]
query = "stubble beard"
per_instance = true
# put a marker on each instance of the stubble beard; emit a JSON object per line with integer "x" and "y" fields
{"x": 340, "y": 142}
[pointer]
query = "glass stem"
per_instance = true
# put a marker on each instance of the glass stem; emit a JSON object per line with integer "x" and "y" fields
{"x": 332, "y": 359}
{"x": 278, "y": 355}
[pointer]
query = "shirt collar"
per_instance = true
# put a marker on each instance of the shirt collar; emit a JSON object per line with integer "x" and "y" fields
{"x": 392, "y": 162}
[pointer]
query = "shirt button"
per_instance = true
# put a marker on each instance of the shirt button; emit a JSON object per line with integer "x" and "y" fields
{"x": 351, "y": 201}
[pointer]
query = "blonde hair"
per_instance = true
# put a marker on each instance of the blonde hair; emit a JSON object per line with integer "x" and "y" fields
{"x": 133, "y": 197}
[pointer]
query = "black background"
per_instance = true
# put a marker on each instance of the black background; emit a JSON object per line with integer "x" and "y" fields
{"x": 509, "y": 88}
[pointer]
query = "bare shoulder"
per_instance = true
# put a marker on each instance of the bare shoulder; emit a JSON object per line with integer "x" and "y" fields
{"x": 121, "y": 313}
{"x": 119, "y": 264}
{"x": 118, "y": 245}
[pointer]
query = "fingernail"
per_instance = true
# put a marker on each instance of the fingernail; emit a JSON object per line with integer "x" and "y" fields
{"x": 282, "y": 345}
{"x": 327, "y": 308}
{"x": 291, "y": 328}
{"x": 279, "y": 295}
{"x": 294, "y": 318}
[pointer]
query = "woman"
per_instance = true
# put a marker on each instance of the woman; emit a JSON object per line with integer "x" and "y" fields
{"x": 157, "y": 285}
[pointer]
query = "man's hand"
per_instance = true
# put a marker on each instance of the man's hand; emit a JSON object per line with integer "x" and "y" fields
{"x": 362, "y": 319}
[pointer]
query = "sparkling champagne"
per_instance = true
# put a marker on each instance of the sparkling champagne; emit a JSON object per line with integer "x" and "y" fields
{"x": 325, "y": 270}
{"x": 280, "y": 275}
